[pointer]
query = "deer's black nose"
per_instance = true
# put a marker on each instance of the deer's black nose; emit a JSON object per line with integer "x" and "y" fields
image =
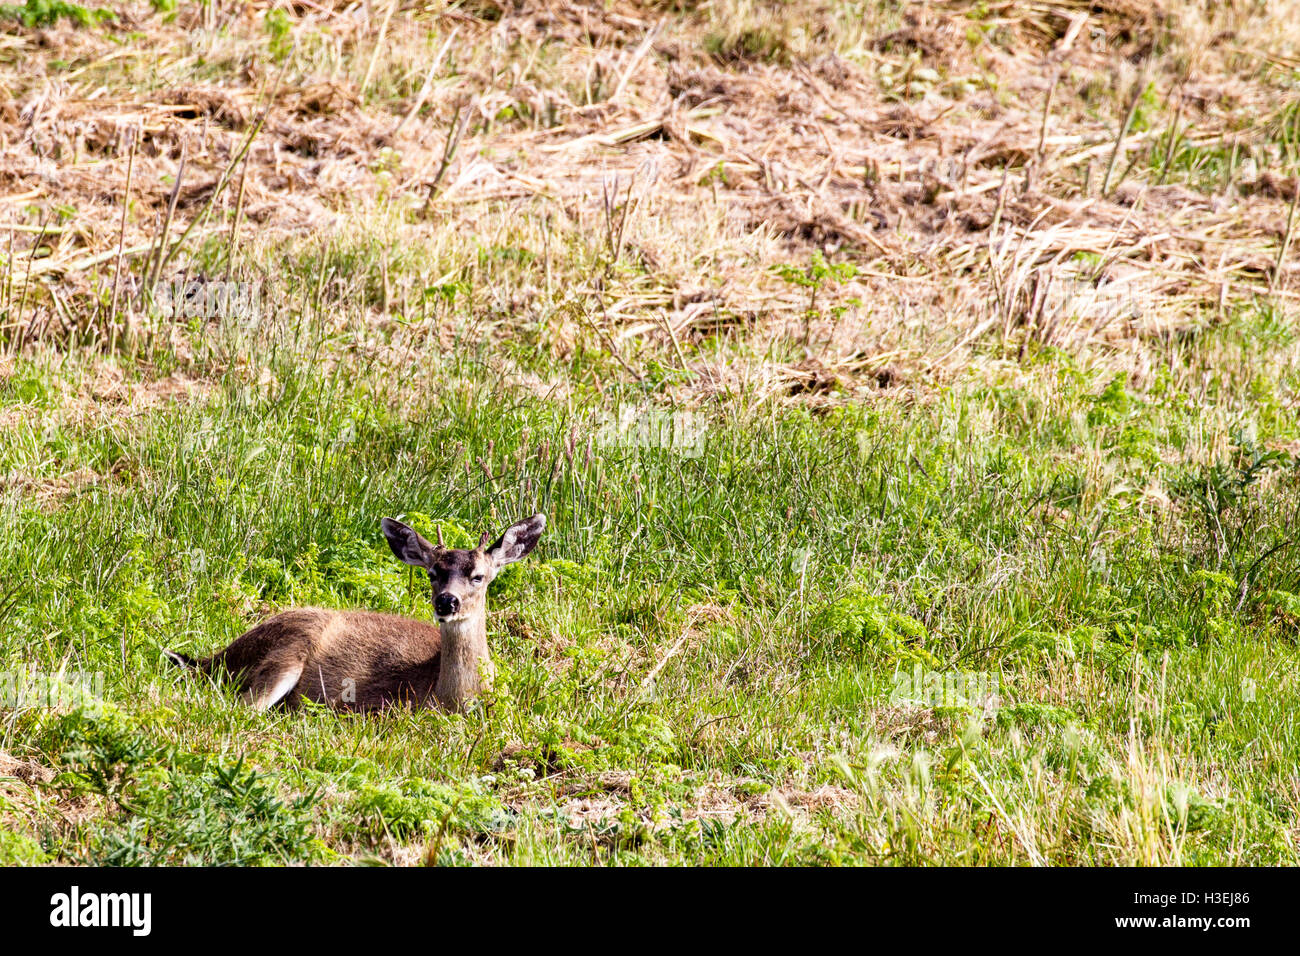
{"x": 446, "y": 604}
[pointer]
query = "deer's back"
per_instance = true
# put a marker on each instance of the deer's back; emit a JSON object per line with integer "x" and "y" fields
{"x": 358, "y": 660}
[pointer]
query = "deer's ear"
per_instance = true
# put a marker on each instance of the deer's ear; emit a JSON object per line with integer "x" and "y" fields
{"x": 407, "y": 543}
{"x": 517, "y": 541}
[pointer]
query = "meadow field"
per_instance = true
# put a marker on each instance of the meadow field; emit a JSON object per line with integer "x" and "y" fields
{"x": 912, "y": 391}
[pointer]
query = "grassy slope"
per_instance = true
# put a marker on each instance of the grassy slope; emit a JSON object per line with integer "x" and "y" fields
{"x": 701, "y": 662}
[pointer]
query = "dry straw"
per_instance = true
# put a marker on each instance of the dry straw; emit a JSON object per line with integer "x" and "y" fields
{"x": 980, "y": 200}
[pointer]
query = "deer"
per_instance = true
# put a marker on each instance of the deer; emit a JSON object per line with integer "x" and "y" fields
{"x": 365, "y": 660}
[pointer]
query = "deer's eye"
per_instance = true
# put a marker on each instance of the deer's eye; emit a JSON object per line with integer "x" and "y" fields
{"x": 476, "y": 579}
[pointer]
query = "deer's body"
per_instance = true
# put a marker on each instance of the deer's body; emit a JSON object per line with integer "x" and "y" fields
{"x": 363, "y": 660}
{"x": 352, "y": 660}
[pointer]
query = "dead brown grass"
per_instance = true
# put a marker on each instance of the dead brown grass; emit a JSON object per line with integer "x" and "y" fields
{"x": 979, "y": 164}
{"x": 25, "y": 771}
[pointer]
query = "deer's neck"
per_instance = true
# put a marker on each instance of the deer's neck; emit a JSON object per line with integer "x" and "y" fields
{"x": 466, "y": 666}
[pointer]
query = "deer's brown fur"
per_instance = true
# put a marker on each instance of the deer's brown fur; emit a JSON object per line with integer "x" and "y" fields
{"x": 352, "y": 660}
{"x": 363, "y": 660}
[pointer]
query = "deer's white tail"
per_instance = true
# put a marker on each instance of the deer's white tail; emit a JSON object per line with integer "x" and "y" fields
{"x": 181, "y": 660}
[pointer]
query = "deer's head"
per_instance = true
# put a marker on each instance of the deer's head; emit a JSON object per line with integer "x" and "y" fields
{"x": 459, "y": 577}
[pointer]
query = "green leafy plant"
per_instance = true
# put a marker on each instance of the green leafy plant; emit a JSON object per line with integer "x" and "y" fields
{"x": 815, "y": 277}
{"x": 861, "y": 621}
{"x": 45, "y": 13}
{"x": 280, "y": 30}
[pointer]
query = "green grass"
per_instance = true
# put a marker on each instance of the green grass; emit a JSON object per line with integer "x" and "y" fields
{"x": 1119, "y": 560}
